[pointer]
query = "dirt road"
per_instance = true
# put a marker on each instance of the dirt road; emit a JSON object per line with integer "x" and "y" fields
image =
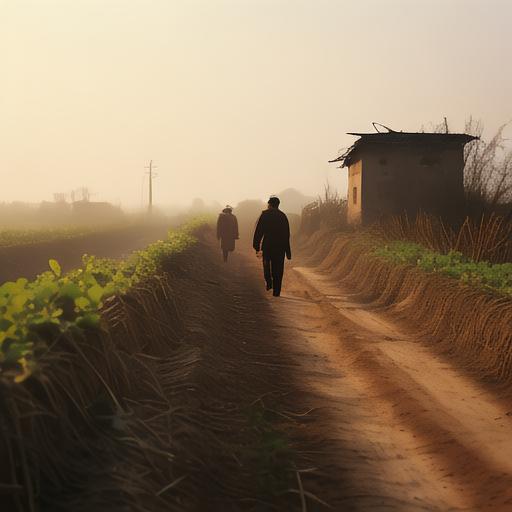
{"x": 402, "y": 427}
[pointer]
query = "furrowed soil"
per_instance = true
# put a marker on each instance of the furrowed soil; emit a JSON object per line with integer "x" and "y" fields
{"x": 397, "y": 425}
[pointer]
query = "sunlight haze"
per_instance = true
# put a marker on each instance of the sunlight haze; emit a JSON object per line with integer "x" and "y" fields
{"x": 232, "y": 99}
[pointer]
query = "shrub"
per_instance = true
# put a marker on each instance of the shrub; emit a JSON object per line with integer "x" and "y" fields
{"x": 329, "y": 211}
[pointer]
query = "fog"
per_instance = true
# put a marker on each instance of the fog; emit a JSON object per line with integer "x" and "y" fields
{"x": 231, "y": 99}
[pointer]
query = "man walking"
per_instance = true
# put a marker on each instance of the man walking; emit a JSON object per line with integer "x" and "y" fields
{"x": 274, "y": 229}
{"x": 227, "y": 231}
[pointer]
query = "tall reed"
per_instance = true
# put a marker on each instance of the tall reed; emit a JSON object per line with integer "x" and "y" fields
{"x": 487, "y": 239}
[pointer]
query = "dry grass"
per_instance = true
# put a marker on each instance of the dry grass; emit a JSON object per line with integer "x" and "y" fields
{"x": 488, "y": 239}
{"x": 165, "y": 409}
{"x": 329, "y": 211}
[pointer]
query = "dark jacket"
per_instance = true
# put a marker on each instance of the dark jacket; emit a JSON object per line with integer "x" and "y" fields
{"x": 227, "y": 230}
{"x": 274, "y": 229}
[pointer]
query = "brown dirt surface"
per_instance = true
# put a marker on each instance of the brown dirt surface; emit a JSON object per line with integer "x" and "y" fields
{"x": 404, "y": 428}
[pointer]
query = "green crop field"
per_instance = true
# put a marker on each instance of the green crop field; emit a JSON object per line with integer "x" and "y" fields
{"x": 493, "y": 277}
{"x": 34, "y": 313}
{"x": 14, "y": 237}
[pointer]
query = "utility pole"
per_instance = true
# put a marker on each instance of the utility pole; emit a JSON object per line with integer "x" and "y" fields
{"x": 152, "y": 175}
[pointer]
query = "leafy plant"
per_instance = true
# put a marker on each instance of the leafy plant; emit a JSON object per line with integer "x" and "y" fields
{"x": 493, "y": 277}
{"x": 34, "y": 314}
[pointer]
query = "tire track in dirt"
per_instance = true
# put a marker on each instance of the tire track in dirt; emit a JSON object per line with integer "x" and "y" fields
{"x": 404, "y": 429}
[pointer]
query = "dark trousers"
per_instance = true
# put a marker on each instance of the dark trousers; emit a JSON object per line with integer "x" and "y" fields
{"x": 273, "y": 269}
{"x": 225, "y": 254}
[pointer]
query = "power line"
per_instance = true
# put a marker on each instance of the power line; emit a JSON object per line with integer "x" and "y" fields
{"x": 152, "y": 176}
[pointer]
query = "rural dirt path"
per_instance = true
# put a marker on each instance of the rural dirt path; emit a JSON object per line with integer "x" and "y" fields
{"x": 405, "y": 430}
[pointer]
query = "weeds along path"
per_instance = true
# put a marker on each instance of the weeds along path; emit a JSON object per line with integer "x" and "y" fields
{"x": 404, "y": 427}
{"x": 184, "y": 401}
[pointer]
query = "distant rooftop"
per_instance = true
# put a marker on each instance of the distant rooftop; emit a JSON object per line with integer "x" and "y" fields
{"x": 392, "y": 137}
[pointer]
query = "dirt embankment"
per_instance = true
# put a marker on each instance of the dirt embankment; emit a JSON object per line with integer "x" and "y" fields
{"x": 206, "y": 393}
{"x": 31, "y": 259}
{"x": 184, "y": 402}
{"x": 410, "y": 428}
{"x": 473, "y": 325}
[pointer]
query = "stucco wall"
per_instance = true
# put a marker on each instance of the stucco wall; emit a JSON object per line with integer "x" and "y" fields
{"x": 409, "y": 178}
{"x": 354, "y": 181}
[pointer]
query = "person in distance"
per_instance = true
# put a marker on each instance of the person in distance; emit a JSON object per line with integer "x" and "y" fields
{"x": 227, "y": 231}
{"x": 272, "y": 236}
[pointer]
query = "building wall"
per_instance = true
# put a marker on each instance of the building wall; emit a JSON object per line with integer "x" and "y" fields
{"x": 91, "y": 212}
{"x": 409, "y": 178}
{"x": 355, "y": 175}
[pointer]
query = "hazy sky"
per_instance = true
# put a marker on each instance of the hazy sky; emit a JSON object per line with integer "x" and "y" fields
{"x": 232, "y": 99}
